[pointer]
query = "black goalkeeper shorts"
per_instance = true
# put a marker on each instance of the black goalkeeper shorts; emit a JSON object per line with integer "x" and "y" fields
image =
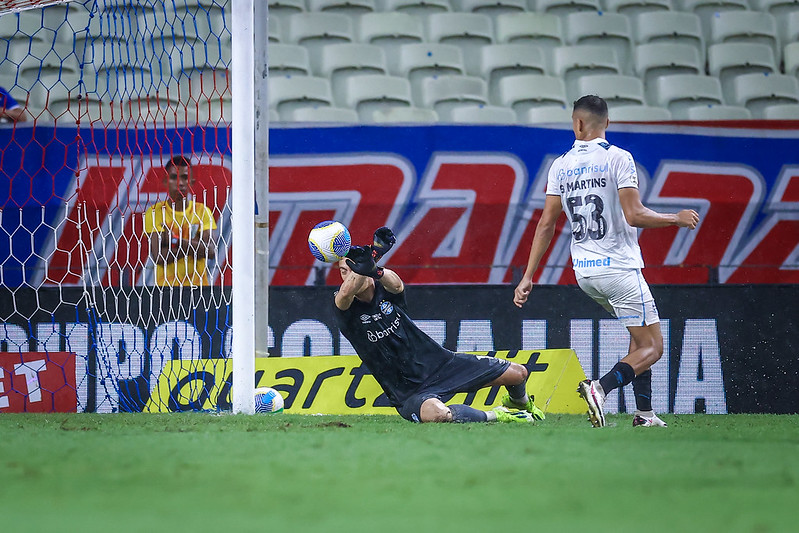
{"x": 463, "y": 373}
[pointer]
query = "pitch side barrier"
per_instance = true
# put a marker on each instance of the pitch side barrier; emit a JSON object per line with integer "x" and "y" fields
{"x": 462, "y": 200}
{"x": 729, "y": 349}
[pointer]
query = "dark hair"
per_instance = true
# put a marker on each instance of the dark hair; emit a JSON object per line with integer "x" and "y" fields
{"x": 593, "y": 104}
{"x": 178, "y": 161}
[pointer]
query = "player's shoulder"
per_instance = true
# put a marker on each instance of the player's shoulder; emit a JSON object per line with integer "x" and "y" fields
{"x": 616, "y": 150}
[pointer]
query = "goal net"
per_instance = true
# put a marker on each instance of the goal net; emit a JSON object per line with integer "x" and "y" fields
{"x": 115, "y": 222}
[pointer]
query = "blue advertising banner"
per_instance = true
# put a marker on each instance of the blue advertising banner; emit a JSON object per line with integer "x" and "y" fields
{"x": 463, "y": 200}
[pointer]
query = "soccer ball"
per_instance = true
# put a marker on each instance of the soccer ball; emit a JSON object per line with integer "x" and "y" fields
{"x": 329, "y": 241}
{"x": 268, "y": 400}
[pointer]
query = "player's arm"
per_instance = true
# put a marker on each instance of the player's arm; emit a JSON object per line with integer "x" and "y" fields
{"x": 14, "y": 114}
{"x": 544, "y": 232}
{"x": 640, "y": 216}
{"x": 391, "y": 281}
{"x": 352, "y": 285}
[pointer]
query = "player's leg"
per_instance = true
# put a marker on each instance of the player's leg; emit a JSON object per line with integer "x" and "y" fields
{"x": 434, "y": 410}
{"x": 642, "y": 390}
{"x": 628, "y": 296}
{"x": 467, "y": 373}
{"x": 427, "y": 407}
{"x": 514, "y": 379}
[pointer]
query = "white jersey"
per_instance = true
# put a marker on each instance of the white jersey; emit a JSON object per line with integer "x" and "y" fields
{"x": 587, "y": 179}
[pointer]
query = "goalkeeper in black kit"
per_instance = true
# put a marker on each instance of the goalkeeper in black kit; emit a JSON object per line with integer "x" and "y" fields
{"x": 415, "y": 371}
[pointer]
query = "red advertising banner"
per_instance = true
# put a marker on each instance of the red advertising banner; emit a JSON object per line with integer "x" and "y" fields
{"x": 34, "y": 382}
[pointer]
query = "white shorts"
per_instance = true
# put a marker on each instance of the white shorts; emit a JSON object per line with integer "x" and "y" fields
{"x": 624, "y": 294}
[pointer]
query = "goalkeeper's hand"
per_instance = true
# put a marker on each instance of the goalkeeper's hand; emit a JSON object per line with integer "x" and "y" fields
{"x": 383, "y": 240}
{"x": 360, "y": 259}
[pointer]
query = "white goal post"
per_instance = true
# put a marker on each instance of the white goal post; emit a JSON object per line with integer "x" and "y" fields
{"x": 114, "y": 92}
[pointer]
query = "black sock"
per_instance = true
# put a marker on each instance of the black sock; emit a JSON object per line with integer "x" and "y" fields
{"x": 464, "y": 413}
{"x": 517, "y": 392}
{"x": 642, "y": 387}
{"x": 620, "y": 375}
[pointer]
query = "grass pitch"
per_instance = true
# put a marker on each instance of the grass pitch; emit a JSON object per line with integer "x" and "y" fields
{"x": 292, "y": 473}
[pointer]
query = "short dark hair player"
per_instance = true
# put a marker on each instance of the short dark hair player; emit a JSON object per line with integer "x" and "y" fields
{"x": 413, "y": 370}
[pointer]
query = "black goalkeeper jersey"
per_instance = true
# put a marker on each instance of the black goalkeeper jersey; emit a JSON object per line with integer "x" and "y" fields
{"x": 399, "y": 355}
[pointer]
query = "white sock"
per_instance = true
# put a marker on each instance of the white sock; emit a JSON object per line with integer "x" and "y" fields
{"x": 491, "y": 416}
{"x": 521, "y": 402}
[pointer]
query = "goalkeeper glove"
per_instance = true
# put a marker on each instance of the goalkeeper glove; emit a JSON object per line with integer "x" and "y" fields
{"x": 384, "y": 239}
{"x": 360, "y": 260}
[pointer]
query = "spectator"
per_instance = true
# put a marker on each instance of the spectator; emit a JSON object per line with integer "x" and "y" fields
{"x": 180, "y": 231}
{"x": 10, "y": 110}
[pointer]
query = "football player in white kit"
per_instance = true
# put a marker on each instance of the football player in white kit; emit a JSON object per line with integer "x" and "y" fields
{"x": 596, "y": 184}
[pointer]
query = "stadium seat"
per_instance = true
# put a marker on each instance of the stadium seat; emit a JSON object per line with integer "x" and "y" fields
{"x": 546, "y": 114}
{"x": 405, "y": 114}
{"x": 492, "y": 8}
{"x": 781, "y": 112}
{"x": 727, "y": 61}
{"x": 274, "y": 33}
{"x": 790, "y": 56}
{"x": 682, "y": 91}
{"x": 346, "y": 60}
{"x": 206, "y": 83}
{"x": 634, "y": 7}
{"x": 192, "y": 54}
{"x": 420, "y": 8}
{"x": 445, "y": 93}
{"x": 564, "y": 7}
{"x": 483, "y": 114}
{"x": 617, "y": 90}
{"x": 745, "y": 26}
{"x": 789, "y": 32}
{"x": 86, "y": 109}
{"x": 544, "y": 31}
{"x": 152, "y": 108}
{"x": 426, "y": 60}
{"x": 657, "y": 59}
{"x": 639, "y": 113}
{"x": 36, "y": 57}
{"x": 781, "y": 11}
{"x": 468, "y": 31}
{"x": 323, "y": 114}
{"x": 758, "y": 92}
{"x": 222, "y": 110}
{"x": 351, "y": 8}
{"x": 390, "y": 31}
{"x": 672, "y": 26}
{"x": 55, "y": 87}
{"x": 288, "y": 93}
{"x": 288, "y": 60}
{"x": 573, "y": 62}
{"x": 282, "y": 9}
{"x": 314, "y": 30}
{"x": 719, "y": 112}
{"x": 708, "y": 9}
{"x": 606, "y": 29}
{"x": 502, "y": 60}
{"x": 529, "y": 91}
{"x": 369, "y": 93}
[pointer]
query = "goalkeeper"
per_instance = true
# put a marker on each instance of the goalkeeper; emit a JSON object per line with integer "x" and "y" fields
{"x": 414, "y": 370}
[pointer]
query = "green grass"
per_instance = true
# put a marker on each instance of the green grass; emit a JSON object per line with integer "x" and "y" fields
{"x": 201, "y": 472}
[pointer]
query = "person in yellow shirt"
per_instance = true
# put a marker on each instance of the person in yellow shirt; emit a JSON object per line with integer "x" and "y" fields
{"x": 180, "y": 231}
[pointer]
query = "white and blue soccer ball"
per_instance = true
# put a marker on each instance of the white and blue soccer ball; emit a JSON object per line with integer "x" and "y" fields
{"x": 329, "y": 241}
{"x": 268, "y": 400}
